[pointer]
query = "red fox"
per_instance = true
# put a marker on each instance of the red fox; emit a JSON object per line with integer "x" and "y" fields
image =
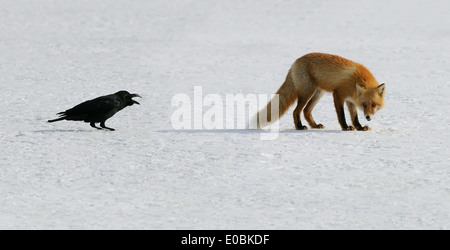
{"x": 316, "y": 73}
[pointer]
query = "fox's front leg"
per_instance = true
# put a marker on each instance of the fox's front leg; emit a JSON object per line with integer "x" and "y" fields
{"x": 354, "y": 116}
{"x": 339, "y": 105}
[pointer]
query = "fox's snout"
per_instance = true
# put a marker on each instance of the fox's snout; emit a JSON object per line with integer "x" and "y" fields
{"x": 368, "y": 117}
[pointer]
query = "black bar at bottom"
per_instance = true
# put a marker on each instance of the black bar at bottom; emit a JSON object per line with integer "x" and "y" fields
{"x": 231, "y": 239}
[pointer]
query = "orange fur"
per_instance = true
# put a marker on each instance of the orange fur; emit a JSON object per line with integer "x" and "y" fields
{"x": 316, "y": 73}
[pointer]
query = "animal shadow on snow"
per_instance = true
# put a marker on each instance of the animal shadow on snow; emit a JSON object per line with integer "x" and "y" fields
{"x": 48, "y": 131}
{"x": 252, "y": 131}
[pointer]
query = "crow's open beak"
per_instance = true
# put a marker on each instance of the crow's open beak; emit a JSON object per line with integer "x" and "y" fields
{"x": 136, "y": 95}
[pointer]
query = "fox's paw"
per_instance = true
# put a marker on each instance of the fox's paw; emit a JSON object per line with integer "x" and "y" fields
{"x": 365, "y": 128}
{"x": 319, "y": 126}
{"x": 349, "y": 128}
{"x": 301, "y": 128}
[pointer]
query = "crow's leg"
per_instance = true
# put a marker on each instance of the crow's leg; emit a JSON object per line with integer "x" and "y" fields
{"x": 93, "y": 125}
{"x": 102, "y": 124}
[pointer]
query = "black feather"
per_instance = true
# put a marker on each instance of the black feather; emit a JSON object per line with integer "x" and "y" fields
{"x": 98, "y": 110}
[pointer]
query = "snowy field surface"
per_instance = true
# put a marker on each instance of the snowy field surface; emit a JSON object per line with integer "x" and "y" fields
{"x": 147, "y": 175}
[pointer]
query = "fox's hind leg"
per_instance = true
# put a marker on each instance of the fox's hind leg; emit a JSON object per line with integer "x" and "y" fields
{"x": 304, "y": 98}
{"x": 309, "y": 108}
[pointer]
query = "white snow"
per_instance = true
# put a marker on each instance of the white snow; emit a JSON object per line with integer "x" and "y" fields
{"x": 146, "y": 175}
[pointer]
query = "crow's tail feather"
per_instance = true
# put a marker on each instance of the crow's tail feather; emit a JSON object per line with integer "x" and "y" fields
{"x": 62, "y": 116}
{"x": 59, "y": 119}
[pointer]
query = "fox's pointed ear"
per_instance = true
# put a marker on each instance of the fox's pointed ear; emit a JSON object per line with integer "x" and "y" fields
{"x": 380, "y": 89}
{"x": 360, "y": 89}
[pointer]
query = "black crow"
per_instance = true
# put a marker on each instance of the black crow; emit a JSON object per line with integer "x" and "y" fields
{"x": 99, "y": 109}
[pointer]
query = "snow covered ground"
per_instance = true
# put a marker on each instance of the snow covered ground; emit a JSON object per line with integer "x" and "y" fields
{"x": 146, "y": 175}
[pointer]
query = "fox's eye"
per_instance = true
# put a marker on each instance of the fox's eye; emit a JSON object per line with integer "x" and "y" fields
{"x": 364, "y": 105}
{"x": 373, "y": 105}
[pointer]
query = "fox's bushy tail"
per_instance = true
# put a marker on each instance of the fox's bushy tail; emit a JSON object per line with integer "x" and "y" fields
{"x": 287, "y": 95}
